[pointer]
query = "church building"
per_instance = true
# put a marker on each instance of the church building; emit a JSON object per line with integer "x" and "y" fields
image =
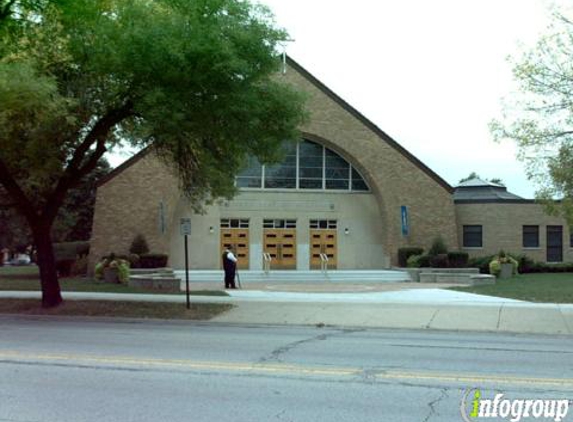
{"x": 346, "y": 193}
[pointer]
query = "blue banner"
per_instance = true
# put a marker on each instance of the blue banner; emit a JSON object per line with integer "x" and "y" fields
{"x": 404, "y": 214}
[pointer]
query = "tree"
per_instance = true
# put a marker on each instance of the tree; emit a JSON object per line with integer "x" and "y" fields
{"x": 194, "y": 80}
{"x": 539, "y": 118}
{"x": 474, "y": 175}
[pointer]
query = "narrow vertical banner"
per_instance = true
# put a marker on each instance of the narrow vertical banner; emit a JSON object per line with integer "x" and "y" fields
{"x": 404, "y": 218}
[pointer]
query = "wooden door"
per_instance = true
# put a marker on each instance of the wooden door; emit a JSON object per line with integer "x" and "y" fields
{"x": 281, "y": 245}
{"x": 323, "y": 241}
{"x": 239, "y": 239}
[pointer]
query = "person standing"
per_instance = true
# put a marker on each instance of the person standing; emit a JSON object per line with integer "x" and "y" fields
{"x": 230, "y": 266}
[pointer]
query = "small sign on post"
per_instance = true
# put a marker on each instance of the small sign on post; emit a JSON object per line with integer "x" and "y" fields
{"x": 185, "y": 226}
{"x": 185, "y": 230}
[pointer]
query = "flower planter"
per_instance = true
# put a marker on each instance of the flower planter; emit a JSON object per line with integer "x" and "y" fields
{"x": 506, "y": 270}
{"x": 111, "y": 275}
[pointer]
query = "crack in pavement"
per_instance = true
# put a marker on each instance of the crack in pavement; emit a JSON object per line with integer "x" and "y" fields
{"x": 275, "y": 355}
{"x": 434, "y": 403}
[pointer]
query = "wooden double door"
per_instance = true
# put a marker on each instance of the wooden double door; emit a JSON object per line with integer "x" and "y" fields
{"x": 323, "y": 241}
{"x": 280, "y": 244}
{"x": 239, "y": 240}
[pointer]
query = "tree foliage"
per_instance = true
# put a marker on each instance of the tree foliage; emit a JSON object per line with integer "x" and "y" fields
{"x": 194, "y": 80}
{"x": 474, "y": 175}
{"x": 539, "y": 118}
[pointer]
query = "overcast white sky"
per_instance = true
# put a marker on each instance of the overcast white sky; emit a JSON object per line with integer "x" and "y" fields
{"x": 431, "y": 74}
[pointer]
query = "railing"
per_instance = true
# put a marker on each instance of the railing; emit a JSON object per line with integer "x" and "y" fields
{"x": 267, "y": 262}
{"x": 323, "y": 262}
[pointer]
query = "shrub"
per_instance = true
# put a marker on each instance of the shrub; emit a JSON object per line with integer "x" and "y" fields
{"x": 139, "y": 245}
{"x": 112, "y": 261}
{"x": 424, "y": 261}
{"x": 502, "y": 258}
{"x": 439, "y": 261}
{"x": 98, "y": 272}
{"x": 71, "y": 250}
{"x": 438, "y": 247}
{"x": 80, "y": 266}
{"x": 405, "y": 253}
{"x": 525, "y": 264}
{"x": 413, "y": 261}
{"x": 458, "y": 259}
{"x": 64, "y": 267}
{"x": 151, "y": 260}
{"x": 482, "y": 263}
{"x": 83, "y": 249}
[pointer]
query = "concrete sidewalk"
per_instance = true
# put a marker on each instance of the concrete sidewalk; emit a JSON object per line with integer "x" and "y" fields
{"x": 406, "y": 309}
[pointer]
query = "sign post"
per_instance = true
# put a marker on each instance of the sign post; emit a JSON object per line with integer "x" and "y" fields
{"x": 185, "y": 229}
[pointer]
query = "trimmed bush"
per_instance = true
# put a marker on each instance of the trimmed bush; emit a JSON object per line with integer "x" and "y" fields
{"x": 424, "y": 261}
{"x": 482, "y": 263}
{"x": 71, "y": 250}
{"x": 438, "y": 247}
{"x": 458, "y": 259}
{"x": 151, "y": 260}
{"x": 439, "y": 261}
{"x": 139, "y": 245}
{"x": 405, "y": 253}
{"x": 413, "y": 261}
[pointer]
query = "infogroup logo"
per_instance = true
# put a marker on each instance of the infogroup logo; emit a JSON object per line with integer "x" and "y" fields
{"x": 475, "y": 406}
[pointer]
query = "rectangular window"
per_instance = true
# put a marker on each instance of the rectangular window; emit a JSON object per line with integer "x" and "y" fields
{"x": 472, "y": 236}
{"x": 251, "y": 176}
{"x": 530, "y": 236}
{"x": 336, "y": 171}
{"x": 323, "y": 224}
{"x": 279, "y": 224}
{"x": 311, "y": 163}
{"x": 283, "y": 175}
{"x": 234, "y": 223}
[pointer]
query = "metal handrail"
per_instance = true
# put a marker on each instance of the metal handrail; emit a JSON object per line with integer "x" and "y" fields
{"x": 267, "y": 258}
{"x": 323, "y": 262}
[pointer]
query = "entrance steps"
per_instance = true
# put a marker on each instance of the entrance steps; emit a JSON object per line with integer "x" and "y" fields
{"x": 312, "y": 276}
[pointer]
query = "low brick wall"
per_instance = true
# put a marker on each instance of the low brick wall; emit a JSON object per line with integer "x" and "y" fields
{"x": 155, "y": 283}
{"x": 457, "y": 278}
{"x": 415, "y": 272}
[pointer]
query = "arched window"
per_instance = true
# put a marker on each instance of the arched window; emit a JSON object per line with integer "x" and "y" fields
{"x": 307, "y": 165}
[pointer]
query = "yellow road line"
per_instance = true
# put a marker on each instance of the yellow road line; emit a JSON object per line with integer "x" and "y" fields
{"x": 288, "y": 369}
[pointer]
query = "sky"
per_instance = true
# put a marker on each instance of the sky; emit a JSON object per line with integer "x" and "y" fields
{"x": 431, "y": 74}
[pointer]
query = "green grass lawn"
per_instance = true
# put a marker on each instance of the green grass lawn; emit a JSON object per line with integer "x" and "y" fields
{"x": 537, "y": 287}
{"x": 198, "y": 311}
{"x": 26, "y": 278}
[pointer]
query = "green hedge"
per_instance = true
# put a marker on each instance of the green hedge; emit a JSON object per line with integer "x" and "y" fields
{"x": 153, "y": 260}
{"x": 405, "y": 253}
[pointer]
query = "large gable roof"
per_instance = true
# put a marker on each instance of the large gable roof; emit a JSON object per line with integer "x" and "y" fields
{"x": 368, "y": 123}
{"x": 327, "y": 91}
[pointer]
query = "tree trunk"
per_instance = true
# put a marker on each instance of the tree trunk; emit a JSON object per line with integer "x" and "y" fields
{"x": 51, "y": 295}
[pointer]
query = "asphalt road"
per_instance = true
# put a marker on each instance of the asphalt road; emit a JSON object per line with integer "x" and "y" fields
{"x": 60, "y": 370}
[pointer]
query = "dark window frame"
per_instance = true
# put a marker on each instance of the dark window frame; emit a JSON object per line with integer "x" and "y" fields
{"x": 530, "y": 236}
{"x": 472, "y": 236}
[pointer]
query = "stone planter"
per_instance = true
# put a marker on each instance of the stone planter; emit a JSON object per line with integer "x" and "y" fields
{"x": 111, "y": 275}
{"x": 506, "y": 270}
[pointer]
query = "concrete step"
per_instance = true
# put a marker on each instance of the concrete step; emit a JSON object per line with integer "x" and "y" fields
{"x": 333, "y": 276}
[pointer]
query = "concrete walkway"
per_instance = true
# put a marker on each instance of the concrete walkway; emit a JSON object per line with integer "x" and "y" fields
{"x": 411, "y": 308}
